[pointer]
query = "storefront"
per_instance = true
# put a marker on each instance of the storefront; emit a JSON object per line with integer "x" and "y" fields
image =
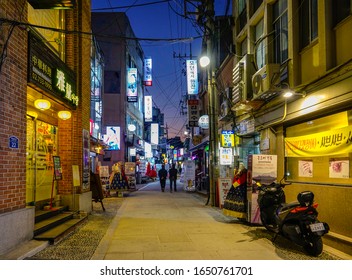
{"x": 51, "y": 99}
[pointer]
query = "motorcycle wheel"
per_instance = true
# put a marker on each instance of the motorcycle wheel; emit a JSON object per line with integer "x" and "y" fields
{"x": 270, "y": 227}
{"x": 315, "y": 246}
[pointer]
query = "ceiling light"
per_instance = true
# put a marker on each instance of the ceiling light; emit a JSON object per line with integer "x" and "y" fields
{"x": 42, "y": 104}
{"x": 64, "y": 115}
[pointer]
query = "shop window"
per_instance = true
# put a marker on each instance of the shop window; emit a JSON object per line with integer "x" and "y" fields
{"x": 308, "y": 21}
{"x": 320, "y": 151}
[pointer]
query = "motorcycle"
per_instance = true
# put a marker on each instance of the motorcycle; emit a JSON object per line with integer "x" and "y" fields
{"x": 296, "y": 221}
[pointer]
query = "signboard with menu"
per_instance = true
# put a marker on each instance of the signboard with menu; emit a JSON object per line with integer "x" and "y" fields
{"x": 57, "y": 168}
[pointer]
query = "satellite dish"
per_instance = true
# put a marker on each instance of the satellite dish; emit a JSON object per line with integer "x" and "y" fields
{"x": 257, "y": 83}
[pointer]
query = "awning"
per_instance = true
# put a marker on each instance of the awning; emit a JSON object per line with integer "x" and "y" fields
{"x": 201, "y": 145}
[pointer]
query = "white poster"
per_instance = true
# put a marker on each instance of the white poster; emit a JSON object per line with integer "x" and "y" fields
{"x": 224, "y": 187}
{"x": 225, "y": 156}
{"x": 305, "y": 168}
{"x": 189, "y": 169}
{"x": 339, "y": 168}
{"x": 154, "y": 133}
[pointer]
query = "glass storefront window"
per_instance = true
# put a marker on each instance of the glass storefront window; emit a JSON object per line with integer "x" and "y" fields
{"x": 318, "y": 151}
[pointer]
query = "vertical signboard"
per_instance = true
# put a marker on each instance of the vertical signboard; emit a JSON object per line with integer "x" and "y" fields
{"x": 148, "y": 80}
{"x": 192, "y": 76}
{"x": 154, "y": 133}
{"x": 148, "y": 108}
{"x": 132, "y": 89}
{"x": 227, "y": 138}
{"x": 193, "y": 112}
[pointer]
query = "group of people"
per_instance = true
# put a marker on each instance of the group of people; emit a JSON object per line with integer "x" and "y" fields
{"x": 172, "y": 174}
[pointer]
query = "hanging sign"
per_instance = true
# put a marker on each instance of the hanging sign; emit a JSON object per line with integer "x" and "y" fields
{"x": 193, "y": 112}
{"x": 203, "y": 122}
{"x": 192, "y": 76}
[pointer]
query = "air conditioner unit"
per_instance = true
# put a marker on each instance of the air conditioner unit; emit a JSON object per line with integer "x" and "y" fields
{"x": 241, "y": 78}
{"x": 226, "y": 100}
{"x": 224, "y": 110}
{"x": 265, "y": 80}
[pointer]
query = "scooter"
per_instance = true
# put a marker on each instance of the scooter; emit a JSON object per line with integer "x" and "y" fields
{"x": 296, "y": 221}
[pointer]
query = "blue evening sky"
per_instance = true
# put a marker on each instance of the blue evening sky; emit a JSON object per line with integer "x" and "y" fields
{"x": 160, "y": 21}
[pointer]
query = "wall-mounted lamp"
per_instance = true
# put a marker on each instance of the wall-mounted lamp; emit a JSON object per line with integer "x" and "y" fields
{"x": 42, "y": 104}
{"x": 64, "y": 115}
{"x": 288, "y": 93}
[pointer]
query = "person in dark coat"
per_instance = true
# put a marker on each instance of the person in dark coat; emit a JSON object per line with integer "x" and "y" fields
{"x": 162, "y": 177}
{"x": 173, "y": 177}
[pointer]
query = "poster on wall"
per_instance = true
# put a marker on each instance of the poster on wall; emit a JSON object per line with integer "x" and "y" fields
{"x": 305, "y": 168}
{"x": 85, "y": 164}
{"x": 339, "y": 168}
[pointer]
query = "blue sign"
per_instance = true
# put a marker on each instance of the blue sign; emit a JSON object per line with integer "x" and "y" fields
{"x": 13, "y": 142}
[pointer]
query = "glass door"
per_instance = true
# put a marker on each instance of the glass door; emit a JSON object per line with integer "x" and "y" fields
{"x": 41, "y": 147}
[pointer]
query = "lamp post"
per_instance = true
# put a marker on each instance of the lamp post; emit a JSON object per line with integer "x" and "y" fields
{"x": 208, "y": 62}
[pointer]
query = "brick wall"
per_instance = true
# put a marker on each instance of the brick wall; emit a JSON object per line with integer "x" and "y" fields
{"x": 78, "y": 47}
{"x": 13, "y": 107}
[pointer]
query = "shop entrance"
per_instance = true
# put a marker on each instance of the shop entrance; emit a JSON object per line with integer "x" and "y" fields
{"x": 41, "y": 147}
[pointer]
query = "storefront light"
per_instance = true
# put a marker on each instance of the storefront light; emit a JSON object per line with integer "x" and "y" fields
{"x": 64, "y": 115}
{"x": 42, "y": 104}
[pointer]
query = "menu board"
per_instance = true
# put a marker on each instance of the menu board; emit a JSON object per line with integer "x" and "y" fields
{"x": 57, "y": 168}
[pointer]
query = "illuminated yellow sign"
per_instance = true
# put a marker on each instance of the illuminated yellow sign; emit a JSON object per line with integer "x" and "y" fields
{"x": 227, "y": 138}
{"x": 331, "y": 142}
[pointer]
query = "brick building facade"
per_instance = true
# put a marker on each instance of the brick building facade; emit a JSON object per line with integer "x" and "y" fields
{"x": 21, "y": 150}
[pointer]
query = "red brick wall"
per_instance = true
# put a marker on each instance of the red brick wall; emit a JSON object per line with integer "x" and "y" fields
{"x": 13, "y": 81}
{"x": 78, "y": 47}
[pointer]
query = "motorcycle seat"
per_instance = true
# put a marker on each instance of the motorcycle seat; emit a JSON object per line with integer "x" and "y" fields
{"x": 287, "y": 206}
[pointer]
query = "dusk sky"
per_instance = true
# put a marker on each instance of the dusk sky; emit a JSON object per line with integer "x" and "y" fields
{"x": 164, "y": 21}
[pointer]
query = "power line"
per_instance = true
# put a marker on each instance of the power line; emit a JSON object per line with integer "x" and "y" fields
{"x": 131, "y": 6}
{"x": 172, "y": 40}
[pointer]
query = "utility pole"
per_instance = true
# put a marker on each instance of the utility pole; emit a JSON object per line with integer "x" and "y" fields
{"x": 213, "y": 104}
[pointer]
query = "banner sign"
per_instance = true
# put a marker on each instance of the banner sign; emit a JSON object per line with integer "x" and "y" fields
{"x": 331, "y": 142}
{"x": 148, "y": 81}
{"x": 192, "y": 76}
{"x": 148, "y": 108}
{"x": 132, "y": 91}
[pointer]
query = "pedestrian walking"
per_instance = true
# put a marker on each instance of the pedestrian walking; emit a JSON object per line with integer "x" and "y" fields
{"x": 162, "y": 177}
{"x": 173, "y": 177}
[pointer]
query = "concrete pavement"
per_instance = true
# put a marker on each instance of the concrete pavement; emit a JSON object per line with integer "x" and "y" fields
{"x": 155, "y": 225}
